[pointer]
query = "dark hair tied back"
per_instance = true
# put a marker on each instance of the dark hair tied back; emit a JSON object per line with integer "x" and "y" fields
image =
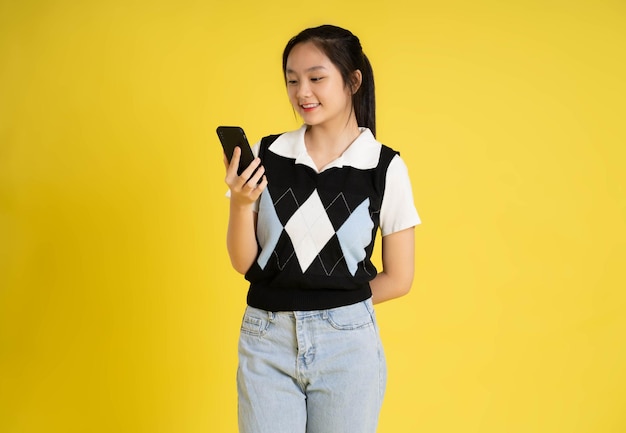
{"x": 345, "y": 52}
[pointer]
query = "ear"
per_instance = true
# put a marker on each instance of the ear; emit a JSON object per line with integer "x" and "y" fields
{"x": 357, "y": 79}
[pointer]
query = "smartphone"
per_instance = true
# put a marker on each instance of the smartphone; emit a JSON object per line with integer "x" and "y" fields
{"x": 231, "y": 137}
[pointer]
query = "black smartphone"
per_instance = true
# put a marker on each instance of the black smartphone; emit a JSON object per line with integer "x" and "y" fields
{"x": 231, "y": 137}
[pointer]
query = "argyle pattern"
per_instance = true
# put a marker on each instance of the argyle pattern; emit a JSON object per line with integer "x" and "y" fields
{"x": 313, "y": 231}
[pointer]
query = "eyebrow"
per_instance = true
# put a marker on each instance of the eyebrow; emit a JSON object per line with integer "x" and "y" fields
{"x": 311, "y": 69}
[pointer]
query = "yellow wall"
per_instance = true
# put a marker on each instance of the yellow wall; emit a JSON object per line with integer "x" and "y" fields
{"x": 118, "y": 309}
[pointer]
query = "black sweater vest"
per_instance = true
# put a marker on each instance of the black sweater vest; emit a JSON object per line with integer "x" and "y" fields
{"x": 315, "y": 233}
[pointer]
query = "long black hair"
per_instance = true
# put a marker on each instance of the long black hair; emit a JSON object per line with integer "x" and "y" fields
{"x": 345, "y": 52}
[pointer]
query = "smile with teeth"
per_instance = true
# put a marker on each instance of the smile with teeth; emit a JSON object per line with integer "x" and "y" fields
{"x": 309, "y": 106}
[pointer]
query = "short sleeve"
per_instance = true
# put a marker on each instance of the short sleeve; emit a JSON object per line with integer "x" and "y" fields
{"x": 398, "y": 209}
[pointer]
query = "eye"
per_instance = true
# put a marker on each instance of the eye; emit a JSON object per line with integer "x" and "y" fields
{"x": 292, "y": 82}
{"x": 317, "y": 79}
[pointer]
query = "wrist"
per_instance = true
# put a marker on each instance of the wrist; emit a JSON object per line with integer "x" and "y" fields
{"x": 238, "y": 206}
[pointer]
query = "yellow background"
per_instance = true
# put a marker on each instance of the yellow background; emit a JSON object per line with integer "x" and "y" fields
{"x": 118, "y": 309}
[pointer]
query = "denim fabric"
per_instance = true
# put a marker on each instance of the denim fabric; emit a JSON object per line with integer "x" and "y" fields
{"x": 310, "y": 371}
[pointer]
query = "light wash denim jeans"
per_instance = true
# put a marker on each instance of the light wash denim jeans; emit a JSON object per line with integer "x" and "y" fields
{"x": 310, "y": 371}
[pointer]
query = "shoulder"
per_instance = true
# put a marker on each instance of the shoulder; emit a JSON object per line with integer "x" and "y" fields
{"x": 365, "y": 152}
{"x": 287, "y": 144}
{"x": 368, "y": 153}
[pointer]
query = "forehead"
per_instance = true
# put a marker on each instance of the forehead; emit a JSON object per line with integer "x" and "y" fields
{"x": 305, "y": 56}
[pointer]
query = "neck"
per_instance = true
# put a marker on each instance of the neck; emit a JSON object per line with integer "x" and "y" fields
{"x": 337, "y": 136}
{"x": 325, "y": 144}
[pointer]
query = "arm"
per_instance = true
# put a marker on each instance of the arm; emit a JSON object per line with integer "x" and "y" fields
{"x": 398, "y": 251}
{"x": 244, "y": 191}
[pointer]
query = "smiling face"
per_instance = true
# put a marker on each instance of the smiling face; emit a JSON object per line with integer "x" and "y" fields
{"x": 316, "y": 88}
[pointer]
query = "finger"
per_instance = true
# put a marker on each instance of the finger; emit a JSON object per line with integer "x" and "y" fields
{"x": 247, "y": 173}
{"x": 261, "y": 186}
{"x": 234, "y": 160}
{"x": 258, "y": 189}
{"x": 256, "y": 177}
{"x": 231, "y": 167}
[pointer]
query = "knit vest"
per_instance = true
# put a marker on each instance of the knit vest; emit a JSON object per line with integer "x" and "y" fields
{"x": 315, "y": 233}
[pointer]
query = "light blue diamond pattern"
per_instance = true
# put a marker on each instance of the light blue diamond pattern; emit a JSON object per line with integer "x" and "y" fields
{"x": 269, "y": 228}
{"x": 355, "y": 235}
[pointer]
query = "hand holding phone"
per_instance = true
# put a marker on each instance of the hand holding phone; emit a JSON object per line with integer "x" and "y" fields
{"x": 231, "y": 137}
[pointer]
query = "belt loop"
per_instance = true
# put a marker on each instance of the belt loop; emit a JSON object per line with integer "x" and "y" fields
{"x": 270, "y": 316}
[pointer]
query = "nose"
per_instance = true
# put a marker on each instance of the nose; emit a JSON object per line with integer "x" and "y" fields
{"x": 303, "y": 90}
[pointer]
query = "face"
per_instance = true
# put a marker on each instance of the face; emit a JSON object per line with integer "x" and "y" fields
{"x": 316, "y": 88}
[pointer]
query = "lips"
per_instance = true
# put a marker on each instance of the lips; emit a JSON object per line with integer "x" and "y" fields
{"x": 307, "y": 107}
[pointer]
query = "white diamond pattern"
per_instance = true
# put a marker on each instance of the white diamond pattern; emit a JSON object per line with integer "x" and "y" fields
{"x": 310, "y": 230}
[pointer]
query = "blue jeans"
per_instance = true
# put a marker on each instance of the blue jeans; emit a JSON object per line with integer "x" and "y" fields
{"x": 310, "y": 371}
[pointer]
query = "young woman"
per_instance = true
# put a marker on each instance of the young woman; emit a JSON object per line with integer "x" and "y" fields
{"x": 303, "y": 219}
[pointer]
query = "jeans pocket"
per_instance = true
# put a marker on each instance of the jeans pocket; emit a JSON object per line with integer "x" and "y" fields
{"x": 254, "y": 322}
{"x": 351, "y": 317}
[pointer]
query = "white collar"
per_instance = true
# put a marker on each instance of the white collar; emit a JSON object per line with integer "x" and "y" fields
{"x": 363, "y": 153}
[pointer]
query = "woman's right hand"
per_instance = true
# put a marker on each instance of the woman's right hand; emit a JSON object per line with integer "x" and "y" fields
{"x": 246, "y": 188}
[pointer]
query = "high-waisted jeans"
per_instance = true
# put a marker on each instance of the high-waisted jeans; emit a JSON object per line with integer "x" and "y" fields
{"x": 310, "y": 371}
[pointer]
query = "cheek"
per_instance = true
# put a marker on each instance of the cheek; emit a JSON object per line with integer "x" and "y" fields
{"x": 348, "y": 97}
{"x": 293, "y": 100}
